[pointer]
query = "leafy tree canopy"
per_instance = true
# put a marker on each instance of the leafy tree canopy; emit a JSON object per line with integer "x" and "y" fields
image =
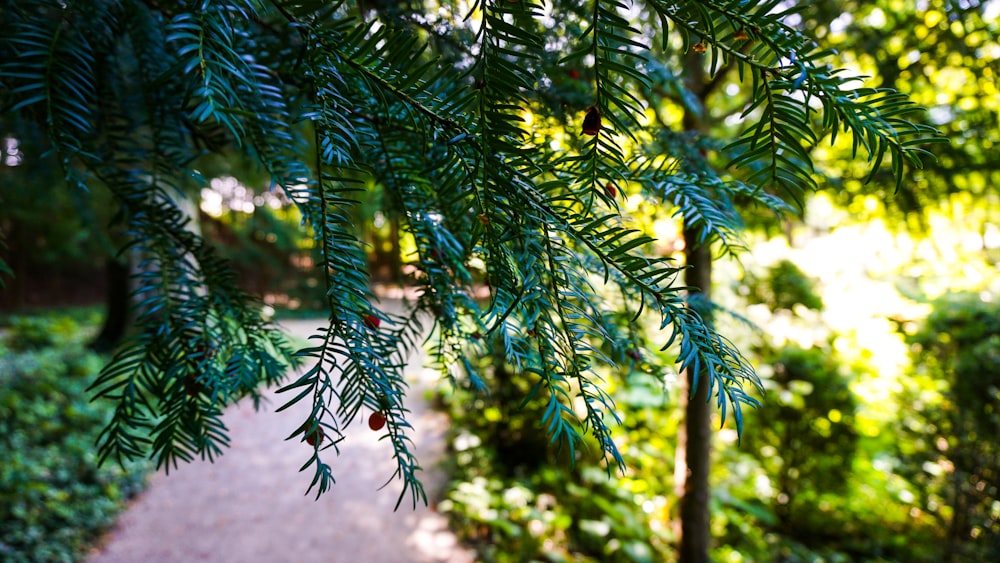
{"x": 506, "y": 134}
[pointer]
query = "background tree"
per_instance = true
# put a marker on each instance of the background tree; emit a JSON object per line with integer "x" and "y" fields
{"x": 495, "y": 174}
{"x": 944, "y": 56}
{"x": 955, "y": 358}
{"x": 46, "y": 227}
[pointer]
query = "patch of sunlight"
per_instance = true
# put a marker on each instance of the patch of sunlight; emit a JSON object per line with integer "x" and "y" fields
{"x": 668, "y": 229}
{"x": 727, "y": 436}
{"x": 762, "y": 486}
{"x": 211, "y": 203}
{"x": 821, "y": 212}
{"x": 769, "y": 252}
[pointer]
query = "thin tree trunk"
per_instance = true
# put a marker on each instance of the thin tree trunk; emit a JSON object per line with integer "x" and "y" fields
{"x": 694, "y": 442}
{"x": 696, "y": 439}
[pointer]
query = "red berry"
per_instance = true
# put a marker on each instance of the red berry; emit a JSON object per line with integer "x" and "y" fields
{"x": 592, "y": 121}
{"x": 574, "y": 74}
{"x": 699, "y": 47}
{"x": 476, "y": 335}
{"x": 610, "y": 190}
{"x": 634, "y": 354}
{"x": 376, "y": 421}
{"x": 372, "y": 322}
{"x": 315, "y": 437}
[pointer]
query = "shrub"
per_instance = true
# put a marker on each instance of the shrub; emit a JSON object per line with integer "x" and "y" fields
{"x": 54, "y": 499}
{"x": 949, "y": 433}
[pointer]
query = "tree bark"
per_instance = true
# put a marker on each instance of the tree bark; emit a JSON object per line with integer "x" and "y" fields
{"x": 695, "y": 441}
{"x": 117, "y": 301}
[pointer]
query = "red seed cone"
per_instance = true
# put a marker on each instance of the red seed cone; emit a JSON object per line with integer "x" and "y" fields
{"x": 592, "y": 121}
{"x": 315, "y": 437}
{"x": 376, "y": 421}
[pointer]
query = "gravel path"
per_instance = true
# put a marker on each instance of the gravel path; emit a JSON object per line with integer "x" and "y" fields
{"x": 250, "y": 506}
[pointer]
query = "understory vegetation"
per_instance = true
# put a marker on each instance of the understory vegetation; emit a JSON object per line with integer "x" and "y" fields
{"x": 869, "y": 445}
{"x": 54, "y": 498}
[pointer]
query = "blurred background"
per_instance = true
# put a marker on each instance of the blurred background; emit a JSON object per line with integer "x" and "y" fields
{"x": 873, "y": 319}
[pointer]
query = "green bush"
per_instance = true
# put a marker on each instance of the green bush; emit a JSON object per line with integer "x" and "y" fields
{"x": 949, "y": 433}
{"x": 515, "y": 497}
{"x": 805, "y": 437}
{"x": 783, "y": 287}
{"x": 35, "y": 333}
{"x": 54, "y": 499}
{"x": 809, "y": 481}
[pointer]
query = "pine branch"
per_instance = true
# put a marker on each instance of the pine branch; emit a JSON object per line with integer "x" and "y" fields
{"x": 133, "y": 94}
{"x": 787, "y": 73}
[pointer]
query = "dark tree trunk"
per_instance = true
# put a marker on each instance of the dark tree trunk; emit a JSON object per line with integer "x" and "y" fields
{"x": 695, "y": 444}
{"x": 695, "y": 436}
{"x": 117, "y": 305}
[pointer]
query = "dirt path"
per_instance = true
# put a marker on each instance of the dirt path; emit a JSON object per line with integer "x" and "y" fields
{"x": 249, "y": 505}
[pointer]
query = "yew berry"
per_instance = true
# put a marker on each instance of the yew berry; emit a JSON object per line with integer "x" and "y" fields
{"x": 315, "y": 437}
{"x": 574, "y": 74}
{"x": 699, "y": 47}
{"x": 610, "y": 190}
{"x": 372, "y": 322}
{"x": 634, "y": 354}
{"x": 376, "y": 421}
{"x": 592, "y": 121}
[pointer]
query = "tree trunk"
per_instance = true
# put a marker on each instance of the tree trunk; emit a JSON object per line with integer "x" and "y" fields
{"x": 695, "y": 439}
{"x": 117, "y": 301}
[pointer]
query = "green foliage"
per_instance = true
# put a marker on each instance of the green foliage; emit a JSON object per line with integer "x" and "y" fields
{"x": 520, "y": 520}
{"x": 26, "y": 333}
{"x": 816, "y": 478}
{"x": 784, "y": 287}
{"x": 196, "y": 353}
{"x": 807, "y": 442}
{"x": 54, "y": 497}
{"x": 950, "y": 456}
{"x": 328, "y": 99}
{"x": 918, "y": 48}
{"x": 511, "y": 505}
